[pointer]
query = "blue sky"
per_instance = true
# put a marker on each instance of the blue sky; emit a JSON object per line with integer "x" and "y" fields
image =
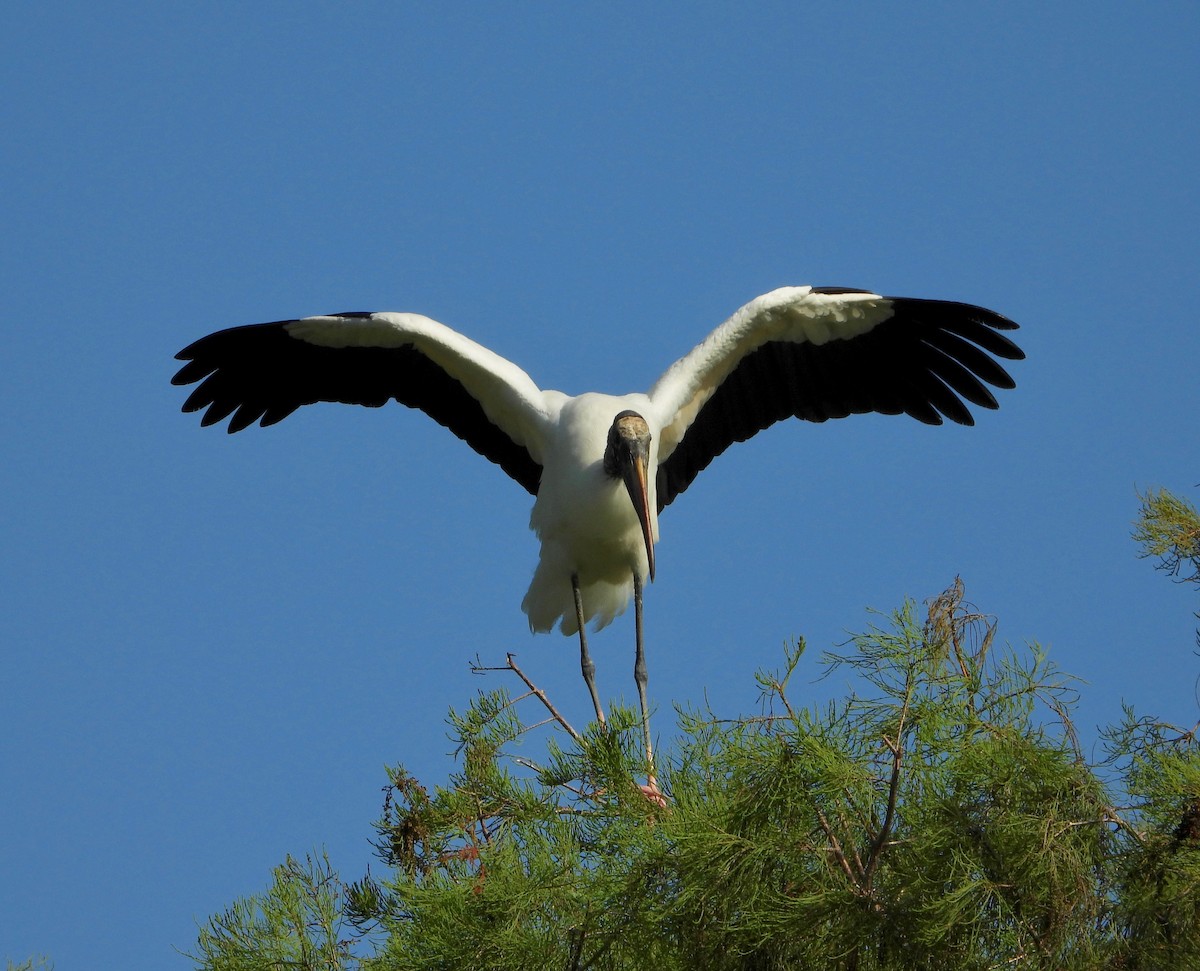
{"x": 212, "y": 645}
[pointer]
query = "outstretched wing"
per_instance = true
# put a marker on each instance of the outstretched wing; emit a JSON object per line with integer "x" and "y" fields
{"x": 263, "y": 372}
{"x": 825, "y": 352}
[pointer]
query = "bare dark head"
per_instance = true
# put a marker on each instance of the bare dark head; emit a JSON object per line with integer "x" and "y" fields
{"x": 628, "y": 436}
{"x": 627, "y": 457}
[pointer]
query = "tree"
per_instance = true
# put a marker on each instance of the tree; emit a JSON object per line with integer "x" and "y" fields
{"x": 942, "y": 817}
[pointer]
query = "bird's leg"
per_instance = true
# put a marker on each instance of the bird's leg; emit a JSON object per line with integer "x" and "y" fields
{"x": 641, "y": 678}
{"x": 585, "y": 659}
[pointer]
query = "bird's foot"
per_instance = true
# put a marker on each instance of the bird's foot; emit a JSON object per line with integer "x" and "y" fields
{"x": 651, "y": 791}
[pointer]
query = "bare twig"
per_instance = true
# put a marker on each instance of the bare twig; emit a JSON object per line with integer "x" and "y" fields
{"x": 541, "y": 696}
{"x": 889, "y": 817}
{"x": 846, "y": 829}
{"x": 777, "y": 687}
{"x": 747, "y": 720}
{"x": 1188, "y": 736}
{"x": 835, "y": 847}
{"x": 481, "y": 816}
{"x": 1112, "y": 816}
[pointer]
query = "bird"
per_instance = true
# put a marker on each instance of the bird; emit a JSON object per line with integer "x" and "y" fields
{"x": 603, "y": 467}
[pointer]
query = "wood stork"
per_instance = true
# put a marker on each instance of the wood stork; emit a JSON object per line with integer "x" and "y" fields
{"x": 602, "y": 467}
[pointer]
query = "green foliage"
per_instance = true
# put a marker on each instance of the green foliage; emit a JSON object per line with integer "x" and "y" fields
{"x": 30, "y": 964}
{"x": 941, "y": 817}
{"x": 929, "y": 822}
{"x": 297, "y": 923}
{"x": 1168, "y": 527}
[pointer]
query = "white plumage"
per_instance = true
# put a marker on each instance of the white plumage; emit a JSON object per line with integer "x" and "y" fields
{"x": 812, "y": 353}
{"x": 584, "y": 518}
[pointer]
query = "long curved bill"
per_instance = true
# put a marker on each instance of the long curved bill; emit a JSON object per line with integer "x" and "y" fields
{"x": 635, "y": 474}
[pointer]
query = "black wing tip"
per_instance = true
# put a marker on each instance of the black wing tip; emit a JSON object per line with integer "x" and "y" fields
{"x": 243, "y": 418}
{"x": 192, "y": 351}
{"x": 202, "y": 362}
{"x": 997, "y": 320}
{"x": 190, "y": 373}
{"x": 1002, "y": 347}
{"x": 970, "y": 321}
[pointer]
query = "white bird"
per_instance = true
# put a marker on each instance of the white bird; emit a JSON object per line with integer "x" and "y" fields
{"x": 602, "y": 467}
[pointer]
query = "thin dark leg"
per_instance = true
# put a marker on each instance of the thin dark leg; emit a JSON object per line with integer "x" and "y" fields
{"x": 639, "y": 672}
{"x": 585, "y": 659}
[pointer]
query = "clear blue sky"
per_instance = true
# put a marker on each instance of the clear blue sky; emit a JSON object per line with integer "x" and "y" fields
{"x": 212, "y": 645}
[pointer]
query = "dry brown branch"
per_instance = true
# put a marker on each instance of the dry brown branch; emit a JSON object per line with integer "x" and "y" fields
{"x": 533, "y": 689}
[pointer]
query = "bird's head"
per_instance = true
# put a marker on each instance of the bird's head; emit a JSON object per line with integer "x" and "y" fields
{"x": 627, "y": 457}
